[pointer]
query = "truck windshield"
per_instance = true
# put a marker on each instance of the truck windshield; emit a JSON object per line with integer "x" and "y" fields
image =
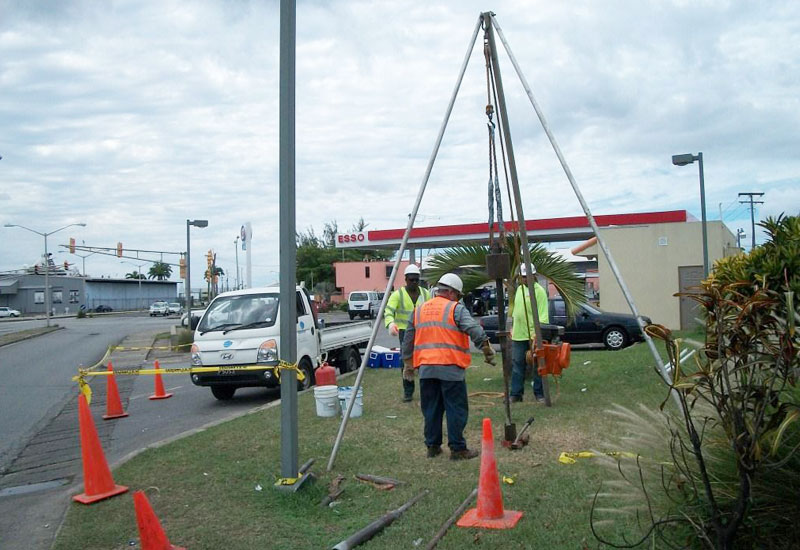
{"x": 225, "y": 313}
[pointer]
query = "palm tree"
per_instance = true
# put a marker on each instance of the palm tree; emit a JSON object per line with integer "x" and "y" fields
{"x": 135, "y": 275}
{"x": 470, "y": 262}
{"x": 160, "y": 271}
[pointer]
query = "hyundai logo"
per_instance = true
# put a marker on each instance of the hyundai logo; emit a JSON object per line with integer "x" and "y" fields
{"x": 227, "y": 356}
{"x": 227, "y": 344}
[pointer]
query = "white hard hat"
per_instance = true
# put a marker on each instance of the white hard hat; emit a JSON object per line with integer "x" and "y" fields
{"x": 411, "y": 269}
{"x": 524, "y": 272}
{"x": 451, "y": 280}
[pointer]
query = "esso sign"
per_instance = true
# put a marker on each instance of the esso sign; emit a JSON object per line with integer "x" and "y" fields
{"x": 351, "y": 238}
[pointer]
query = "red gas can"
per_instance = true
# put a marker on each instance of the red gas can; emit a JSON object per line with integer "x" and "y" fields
{"x": 325, "y": 375}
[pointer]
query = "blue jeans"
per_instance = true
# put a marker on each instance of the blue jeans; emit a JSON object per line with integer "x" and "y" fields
{"x": 408, "y": 385}
{"x": 440, "y": 397}
{"x": 518, "y": 365}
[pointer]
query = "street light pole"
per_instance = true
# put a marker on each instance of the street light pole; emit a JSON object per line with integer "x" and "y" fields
{"x": 188, "y": 282}
{"x": 236, "y": 249}
{"x": 46, "y": 261}
{"x": 683, "y": 160}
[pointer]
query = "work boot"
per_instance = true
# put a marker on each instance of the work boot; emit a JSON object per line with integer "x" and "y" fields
{"x": 463, "y": 454}
{"x": 407, "y": 398}
{"x": 514, "y": 399}
{"x": 434, "y": 451}
{"x": 540, "y": 399}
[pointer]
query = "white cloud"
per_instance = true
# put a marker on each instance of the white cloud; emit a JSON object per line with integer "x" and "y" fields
{"x": 134, "y": 116}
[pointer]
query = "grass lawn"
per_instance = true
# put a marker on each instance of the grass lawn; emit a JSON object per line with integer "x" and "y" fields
{"x": 203, "y": 487}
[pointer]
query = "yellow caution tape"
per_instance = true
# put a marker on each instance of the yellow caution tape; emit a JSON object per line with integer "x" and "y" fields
{"x": 85, "y": 390}
{"x": 143, "y": 348}
{"x": 570, "y": 458}
{"x": 82, "y": 373}
{"x": 508, "y": 480}
{"x": 287, "y": 481}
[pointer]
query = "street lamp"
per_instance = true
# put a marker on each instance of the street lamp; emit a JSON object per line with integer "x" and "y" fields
{"x": 683, "y": 160}
{"x": 139, "y": 277}
{"x": 47, "y": 261}
{"x": 188, "y": 283}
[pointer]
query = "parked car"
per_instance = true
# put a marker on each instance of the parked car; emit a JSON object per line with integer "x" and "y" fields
{"x": 102, "y": 309}
{"x": 550, "y": 333}
{"x": 591, "y": 325}
{"x": 364, "y": 303}
{"x": 175, "y": 307}
{"x": 159, "y": 308}
{"x": 8, "y": 312}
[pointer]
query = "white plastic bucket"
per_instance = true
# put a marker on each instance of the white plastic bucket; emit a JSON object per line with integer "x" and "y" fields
{"x": 345, "y": 395}
{"x": 327, "y": 398}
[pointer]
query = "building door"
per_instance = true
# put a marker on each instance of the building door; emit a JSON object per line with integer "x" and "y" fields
{"x": 689, "y": 278}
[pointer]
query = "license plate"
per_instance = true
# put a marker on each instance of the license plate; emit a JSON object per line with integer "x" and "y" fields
{"x": 227, "y": 371}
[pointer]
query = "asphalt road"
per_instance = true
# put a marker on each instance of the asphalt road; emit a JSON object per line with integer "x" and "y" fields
{"x": 35, "y": 375}
{"x": 36, "y": 394}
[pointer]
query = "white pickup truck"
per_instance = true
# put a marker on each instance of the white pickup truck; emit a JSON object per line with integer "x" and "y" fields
{"x": 242, "y": 328}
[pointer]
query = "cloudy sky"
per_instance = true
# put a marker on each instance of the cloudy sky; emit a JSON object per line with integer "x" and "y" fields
{"x": 132, "y": 116}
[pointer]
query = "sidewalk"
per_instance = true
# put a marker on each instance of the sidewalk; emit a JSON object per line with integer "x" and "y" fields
{"x": 35, "y": 489}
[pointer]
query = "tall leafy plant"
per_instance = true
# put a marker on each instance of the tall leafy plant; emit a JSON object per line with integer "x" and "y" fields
{"x": 733, "y": 451}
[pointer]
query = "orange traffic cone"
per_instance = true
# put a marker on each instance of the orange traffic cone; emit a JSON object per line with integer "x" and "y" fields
{"x": 97, "y": 481}
{"x": 489, "y": 512}
{"x": 159, "y": 387}
{"x": 151, "y": 534}
{"x": 113, "y": 402}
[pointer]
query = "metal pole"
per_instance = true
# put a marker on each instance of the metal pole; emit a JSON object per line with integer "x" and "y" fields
{"x": 46, "y": 281}
{"x": 752, "y": 225}
{"x": 403, "y": 243}
{"x": 600, "y": 240}
{"x": 188, "y": 282}
{"x": 288, "y": 251}
{"x": 236, "y": 249}
{"x": 512, "y": 168}
{"x": 703, "y": 215}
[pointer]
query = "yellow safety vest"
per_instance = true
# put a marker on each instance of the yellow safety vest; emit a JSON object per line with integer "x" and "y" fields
{"x": 400, "y": 307}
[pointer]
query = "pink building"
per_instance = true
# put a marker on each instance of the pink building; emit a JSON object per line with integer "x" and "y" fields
{"x": 351, "y": 276}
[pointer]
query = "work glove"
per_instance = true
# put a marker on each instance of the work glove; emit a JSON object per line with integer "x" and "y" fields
{"x": 393, "y": 330}
{"x": 408, "y": 371}
{"x": 488, "y": 352}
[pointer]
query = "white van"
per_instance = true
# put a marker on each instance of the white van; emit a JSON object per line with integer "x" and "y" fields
{"x": 364, "y": 303}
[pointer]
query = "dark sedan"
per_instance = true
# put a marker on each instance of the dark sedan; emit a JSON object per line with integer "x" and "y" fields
{"x": 550, "y": 333}
{"x": 594, "y": 326}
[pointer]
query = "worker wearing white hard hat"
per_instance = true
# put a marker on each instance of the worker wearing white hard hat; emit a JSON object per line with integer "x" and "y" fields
{"x": 523, "y": 332}
{"x": 398, "y": 312}
{"x": 437, "y": 344}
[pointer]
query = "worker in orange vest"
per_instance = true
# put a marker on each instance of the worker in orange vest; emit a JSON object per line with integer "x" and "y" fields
{"x": 437, "y": 344}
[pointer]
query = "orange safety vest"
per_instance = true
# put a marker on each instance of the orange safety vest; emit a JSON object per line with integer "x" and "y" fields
{"x": 437, "y": 340}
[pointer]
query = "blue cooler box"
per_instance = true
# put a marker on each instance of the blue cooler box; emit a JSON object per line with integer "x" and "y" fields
{"x": 392, "y": 360}
{"x": 375, "y": 360}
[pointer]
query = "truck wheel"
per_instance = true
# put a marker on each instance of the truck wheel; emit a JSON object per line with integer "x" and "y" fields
{"x": 352, "y": 316}
{"x": 352, "y": 360}
{"x": 223, "y": 393}
{"x": 308, "y": 369}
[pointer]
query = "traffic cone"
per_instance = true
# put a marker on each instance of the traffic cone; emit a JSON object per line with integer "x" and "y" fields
{"x": 159, "y": 387}
{"x": 97, "y": 481}
{"x": 113, "y": 402}
{"x": 489, "y": 512}
{"x": 151, "y": 534}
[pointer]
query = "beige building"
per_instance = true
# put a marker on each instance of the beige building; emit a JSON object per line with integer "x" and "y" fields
{"x": 656, "y": 262}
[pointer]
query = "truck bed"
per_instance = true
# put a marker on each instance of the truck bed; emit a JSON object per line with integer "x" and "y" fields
{"x": 348, "y": 334}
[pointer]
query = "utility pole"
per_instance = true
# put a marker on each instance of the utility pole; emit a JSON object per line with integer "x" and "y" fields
{"x": 752, "y": 215}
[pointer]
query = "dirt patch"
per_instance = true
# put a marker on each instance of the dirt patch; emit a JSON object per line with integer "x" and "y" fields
{"x": 21, "y": 335}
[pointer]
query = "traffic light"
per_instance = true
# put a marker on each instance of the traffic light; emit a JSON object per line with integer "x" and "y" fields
{"x": 66, "y": 265}
{"x": 119, "y": 250}
{"x": 36, "y": 269}
{"x": 71, "y": 245}
{"x": 210, "y": 258}
{"x": 183, "y": 268}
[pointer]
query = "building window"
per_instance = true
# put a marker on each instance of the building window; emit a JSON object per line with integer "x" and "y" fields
{"x": 38, "y": 297}
{"x": 57, "y": 297}
{"x": 366, "y": 271}
{"x": 73, "y": 296}
{"x": 388, "y": 271}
